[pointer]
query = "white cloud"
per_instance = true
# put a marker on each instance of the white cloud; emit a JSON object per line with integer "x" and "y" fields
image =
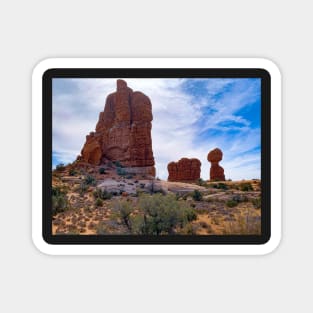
{"x": 178, "y": 119}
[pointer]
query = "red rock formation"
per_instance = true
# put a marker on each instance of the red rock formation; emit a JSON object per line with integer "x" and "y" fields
{"x": 184, "y": 170}
{"x": 216, "y": 171}
{"x": 123, "y": 131}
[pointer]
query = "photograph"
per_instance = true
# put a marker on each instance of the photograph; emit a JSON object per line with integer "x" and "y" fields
{"x": 156, "y": 156}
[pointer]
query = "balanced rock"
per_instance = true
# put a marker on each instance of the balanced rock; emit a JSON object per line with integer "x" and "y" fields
{"x": 216, "y": 171}
{"x": 184, "y": 170}
{"x": 123, "y": 132}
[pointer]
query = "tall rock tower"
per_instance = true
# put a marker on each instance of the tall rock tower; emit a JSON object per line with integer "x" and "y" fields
{"x": 216, "y": 171}
{"x": 123, "y": 132}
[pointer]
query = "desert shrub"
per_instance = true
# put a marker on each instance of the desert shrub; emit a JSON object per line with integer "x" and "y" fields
{"x": 90, "y": 180}
{"x": 222, "y": 186}
{"x": 82, "y": 188}
{"x": 129, "y": 176}
{"x": 191, "y": 215}
{"x": 162, "y": 214}
{"x": 124, "y": 209}
{"x": 237, "y": 198}
{"x": 256, "y": 203}
{"x": 120, "y": 171}
{"x": 231, "y": 203}
{"x": 72, "y": 172}
{"x": 245, "y": 224}
{"x": 245, "y": 187}
{"x": 118, "y": 164}
{"x": 102, "y": 170}
{"x": 60, "y": 167}
{"x": 102, "y": 194}
{"x": 59, "y": 200}
{"x": 202, "y": 182}
{"x": 197, "y": 195}
{"x": 99, "y": 202}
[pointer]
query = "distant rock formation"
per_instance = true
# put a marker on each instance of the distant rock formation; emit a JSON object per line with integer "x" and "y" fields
{"x": 123, "y": 132}
{"x": 216, "y": 171}
{"x": 184, "y": 170}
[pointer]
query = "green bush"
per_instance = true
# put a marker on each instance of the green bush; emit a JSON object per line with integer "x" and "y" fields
{"x": 197, "y": 195}
{"x": 102, "y": 194}
{"x": 59, "y": 200}
{"x": 202, "y": 182}
{"x": 124, "y": 209}
{"x": 222, "y": 186}
{"x": 102, "y": 170}
{"x": 245, "y": 187}
{"x": 72, "y": 172}
{"x": 90, "y": 180}
{"x": 99, "y": 202}
{"x": 120, "y": 171}
{"x": 82, "y": 188}
{"x": 231, "y": 203}
{"x": 118, "y": 164}
{"x": 162, "y": 214}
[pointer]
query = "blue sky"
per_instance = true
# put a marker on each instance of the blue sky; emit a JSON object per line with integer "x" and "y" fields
{"x": 190, "y": 117}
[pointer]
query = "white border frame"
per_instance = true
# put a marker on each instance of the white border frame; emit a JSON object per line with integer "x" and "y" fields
{"x": 172, "y": 249}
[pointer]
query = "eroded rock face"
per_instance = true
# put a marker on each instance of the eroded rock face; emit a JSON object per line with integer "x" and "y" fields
{"x": 123, "y": 131}
{"x": 184, "y": 170}
{"x": 216, "y": 171}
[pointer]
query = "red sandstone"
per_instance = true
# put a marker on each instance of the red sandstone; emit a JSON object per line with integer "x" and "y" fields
{"x": 216, "y": 171}
{"x": 184, "y": 170}
{"x": 123, "y": 131}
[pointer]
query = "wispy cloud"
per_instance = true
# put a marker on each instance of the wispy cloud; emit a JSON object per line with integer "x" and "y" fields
{"x": 190, "y": 117}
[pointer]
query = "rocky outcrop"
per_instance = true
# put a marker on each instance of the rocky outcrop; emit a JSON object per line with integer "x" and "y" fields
{"x": 123, "y": 131}
{"x": 216, "y": 171}
{"x": 184, "y": 170}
